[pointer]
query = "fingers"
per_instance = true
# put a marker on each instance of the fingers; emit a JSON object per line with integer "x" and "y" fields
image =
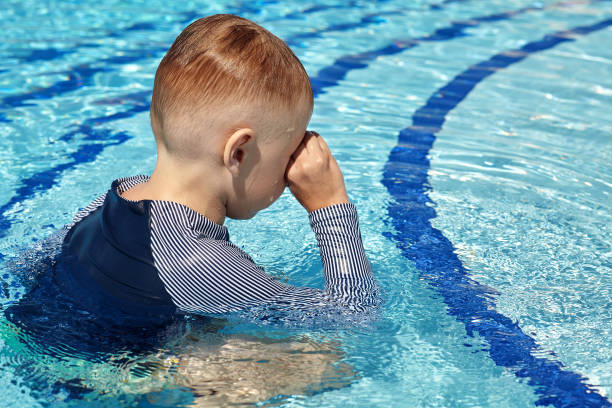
{"x": 315, "y": 143}
{"x": 322, "y": 144}
{"x": 312, "y": 145}
{"x": 302, "y": 145}
{"x": 292, "y": 160}
{"x": 311, "y": 142}
{"x": 313, "y": 175}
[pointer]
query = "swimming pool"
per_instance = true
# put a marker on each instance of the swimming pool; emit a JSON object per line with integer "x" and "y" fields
{"x": 475, "y": 141}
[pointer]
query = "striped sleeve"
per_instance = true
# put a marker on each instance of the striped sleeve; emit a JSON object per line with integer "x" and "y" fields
{"x": 348, "y": 273}
{"x": 205, "y": 273}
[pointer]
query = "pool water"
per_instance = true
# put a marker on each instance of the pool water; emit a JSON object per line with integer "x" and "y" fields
{"x": 476, "y": 141}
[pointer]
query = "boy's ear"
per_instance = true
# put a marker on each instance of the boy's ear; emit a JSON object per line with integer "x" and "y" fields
{"x": 236, "y": 149}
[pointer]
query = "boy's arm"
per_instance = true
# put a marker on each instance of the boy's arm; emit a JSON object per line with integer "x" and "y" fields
{"x": 315, "y": 179}
{"x": 204, "y": 273}
{"x": 212, "y": 275}
{"x": 348, "y": 274}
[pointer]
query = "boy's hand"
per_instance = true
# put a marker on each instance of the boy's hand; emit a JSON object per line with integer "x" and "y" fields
{"x": 313, "y": 174}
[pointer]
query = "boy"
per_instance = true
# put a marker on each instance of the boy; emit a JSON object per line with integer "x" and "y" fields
{"x": 229, "y": 112}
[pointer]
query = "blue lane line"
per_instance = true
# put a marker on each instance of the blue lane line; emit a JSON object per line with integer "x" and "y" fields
{"x": 317, "y": 8}
{"x": 52, "y": 53}
{"x": 44, "y": 54}
{"x": 327, "y": 77}
{"x": 333, "y": 74}
{"x": 98, "y": 140}
{"x": 405, "y": 177}
{"x": 371, "y": 18}
{"x": 83, "y": 74}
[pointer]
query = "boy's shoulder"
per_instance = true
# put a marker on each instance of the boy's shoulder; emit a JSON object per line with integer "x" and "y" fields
{"x": 119, "y": 185}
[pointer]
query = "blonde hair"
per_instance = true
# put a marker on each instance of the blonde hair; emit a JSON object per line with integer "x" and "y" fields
{"x": 224, "y": 59}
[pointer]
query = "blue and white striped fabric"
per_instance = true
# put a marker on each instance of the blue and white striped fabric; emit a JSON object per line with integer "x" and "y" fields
{"x": 203, "y": 272}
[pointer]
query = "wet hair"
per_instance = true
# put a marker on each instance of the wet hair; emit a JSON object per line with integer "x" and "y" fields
{"x": 225, "y": 59}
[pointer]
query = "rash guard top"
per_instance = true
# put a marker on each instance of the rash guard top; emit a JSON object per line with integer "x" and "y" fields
{"x": 154, "y": 256}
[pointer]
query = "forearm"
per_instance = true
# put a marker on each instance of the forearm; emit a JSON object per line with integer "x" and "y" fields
{"x": 348, "y": 273}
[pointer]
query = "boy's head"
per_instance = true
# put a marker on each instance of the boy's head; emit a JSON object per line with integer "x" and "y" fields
{"x": 215, "y": 65}
{"x": 232, "y": 98}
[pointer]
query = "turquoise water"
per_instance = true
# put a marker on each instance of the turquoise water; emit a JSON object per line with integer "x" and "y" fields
{"x": 518, "y": 179}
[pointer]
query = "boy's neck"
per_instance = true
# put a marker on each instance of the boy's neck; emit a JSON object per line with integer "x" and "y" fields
{"x": 182, "y": 184}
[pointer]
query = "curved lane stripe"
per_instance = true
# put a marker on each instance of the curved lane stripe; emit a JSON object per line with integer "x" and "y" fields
{"x": 371, "y": 18}
{"x": 473, "y": 304}
{"x": 330, "y": 76}
{"x": 98, "y": 139}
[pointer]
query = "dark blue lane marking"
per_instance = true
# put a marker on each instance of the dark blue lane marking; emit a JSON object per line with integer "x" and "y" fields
{"x": 405, "y": 177}
{"x": 331, "y": 75}
{"x": 25, "y": 55}
{"x": 140, "y": 102}
{"x": 371, "y": 18}
{"x": 317, "y": 8}
{"x": 44, "y": 180}
{"x": 43, "y": 54}
{"x": 78, "y": 76}
{"x": 82, "y": 75}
